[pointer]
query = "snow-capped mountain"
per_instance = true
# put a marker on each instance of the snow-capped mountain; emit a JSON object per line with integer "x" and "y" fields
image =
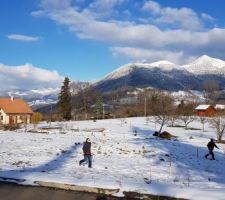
{"x": 162, "y": 75}
{"x": 206, "y": 65}
{"x": 42, "y": 96}
{"x": 165, "y": 75}
{"x": 78, "y": 86}
{"x": 128, "y": 68}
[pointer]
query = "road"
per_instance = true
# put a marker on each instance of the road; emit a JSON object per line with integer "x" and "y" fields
{"x": 10, "y": 191}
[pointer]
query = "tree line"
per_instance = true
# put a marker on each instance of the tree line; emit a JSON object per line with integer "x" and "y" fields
{"x": 154, "y": 104}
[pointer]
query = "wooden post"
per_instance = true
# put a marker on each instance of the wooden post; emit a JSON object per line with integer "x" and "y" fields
{"x": 145, "y": 110}
{"x": 170, "y": 171}
{"x": 197, "y": 153}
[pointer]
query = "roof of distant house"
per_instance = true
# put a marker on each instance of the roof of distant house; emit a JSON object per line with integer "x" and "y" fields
{"x": 202, "y": 107}
{"x": 14, "y": 106}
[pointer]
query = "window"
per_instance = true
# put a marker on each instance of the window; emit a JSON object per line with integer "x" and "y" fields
{"x": 1, "y": 117}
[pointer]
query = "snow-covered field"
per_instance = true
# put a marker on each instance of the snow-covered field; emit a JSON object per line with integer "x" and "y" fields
{"x": 122, "y": 159}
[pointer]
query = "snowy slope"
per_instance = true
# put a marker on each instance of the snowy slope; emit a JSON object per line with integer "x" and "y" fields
{"x": 42, "y": 96}
{"x": 191, "y": 96}
{"x": 126, "y": 156}
{"x": 203, "y": 65}
{"x": 165, "y": 75}
{"x": 206, "y": 65}
{"x": 128, "y": 68}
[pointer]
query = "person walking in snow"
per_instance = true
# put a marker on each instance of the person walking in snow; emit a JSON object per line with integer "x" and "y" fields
{"x": 211, "y": 146}
{"x": 87, "y": 153}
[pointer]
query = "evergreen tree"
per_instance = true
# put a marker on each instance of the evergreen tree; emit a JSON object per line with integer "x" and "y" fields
{"x": 64, "y": 102}
{"x": 98, "y": 107}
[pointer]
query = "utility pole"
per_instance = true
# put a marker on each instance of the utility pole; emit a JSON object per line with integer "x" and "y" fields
{"x": 103, "y": 111}
{"x": 50, "y": 116}
{"x": 145, "y": 107}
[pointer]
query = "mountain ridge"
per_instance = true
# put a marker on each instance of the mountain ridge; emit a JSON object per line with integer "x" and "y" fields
{"x": 206, "y": 65}
{"x": 162, "y": 74}
{"x": 165, "y": 75}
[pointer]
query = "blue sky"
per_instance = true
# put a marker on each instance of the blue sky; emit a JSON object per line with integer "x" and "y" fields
{"x": 86, "y": 39}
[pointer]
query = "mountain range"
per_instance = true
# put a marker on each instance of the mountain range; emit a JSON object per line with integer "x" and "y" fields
{"x": 163, "y": 75}
{"x": 43, "y": 96}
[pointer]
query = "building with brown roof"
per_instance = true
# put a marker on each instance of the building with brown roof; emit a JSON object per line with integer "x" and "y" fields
{"x": 14, "y": 111}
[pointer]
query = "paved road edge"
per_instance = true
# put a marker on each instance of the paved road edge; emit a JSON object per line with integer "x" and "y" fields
{"x": 78, "y": 188}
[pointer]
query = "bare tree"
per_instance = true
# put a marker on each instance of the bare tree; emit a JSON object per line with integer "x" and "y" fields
{"x": 209, "y": 88}
{"x": 174, "y": 117}
{"x": 203, "y": 120}
{"x": 186, "y": 114}
{"x": 187, "y": 120}
{"x": 162, "y": 106}
{"x": 218, "y": 123}
{"x": 85, "y": 104}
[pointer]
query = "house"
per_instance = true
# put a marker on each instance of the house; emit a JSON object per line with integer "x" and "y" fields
{"x": 220, "y": 107}
{"x": 128, "y": 100}
{"x": 205, "y": 110}
{"x": 14, "y": 111}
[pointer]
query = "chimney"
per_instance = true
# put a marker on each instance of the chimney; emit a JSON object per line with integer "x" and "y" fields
{"x": 12, "y": 98}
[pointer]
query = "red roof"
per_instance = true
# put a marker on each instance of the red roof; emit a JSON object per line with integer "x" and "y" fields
{"x": 15, "y": 106}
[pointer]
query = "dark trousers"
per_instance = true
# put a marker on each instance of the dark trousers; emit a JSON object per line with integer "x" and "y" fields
{"x": 210, "y": 153}
{"x": 87, "y": 159}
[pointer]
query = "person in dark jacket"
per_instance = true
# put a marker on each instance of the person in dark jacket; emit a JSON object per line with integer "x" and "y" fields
{"x": 211, "y": 146}
{"x": 87, "y": 153}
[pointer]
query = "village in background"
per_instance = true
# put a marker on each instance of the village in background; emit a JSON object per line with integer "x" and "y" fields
{"x": 87, "y": 103}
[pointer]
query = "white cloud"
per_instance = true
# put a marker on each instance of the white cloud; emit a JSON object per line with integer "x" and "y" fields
{"x": 27, "y": 77}
{"x": 79, "y": 1}
{"x": 23, "y": 38}
{"x": 184, "y": 17}
{"x": 152, "y": 6}
{"x": 126, "y": 33}
{"x": 38, "y": 13}
{"x": 104, "y": 8}
{"x": 150, "y": 55}
{"x": 207, "y": 17}
{"x": 55, "y": 4}
{"x": 180, "y": 17}
{"x": 182, "y": 43}
{"x": 131, "y": 34}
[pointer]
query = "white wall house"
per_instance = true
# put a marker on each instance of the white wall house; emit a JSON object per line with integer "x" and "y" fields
{"x": 220, "y": 106}
{"x": 14, "y": 111}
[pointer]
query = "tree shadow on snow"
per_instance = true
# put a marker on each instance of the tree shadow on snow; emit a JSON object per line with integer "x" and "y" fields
{"x": 56, "y": 163}
{"x": 184, "y": 156}
{"x": 140, "y": 134}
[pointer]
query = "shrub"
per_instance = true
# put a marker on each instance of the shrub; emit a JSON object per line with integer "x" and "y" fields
{"x": 36, "y": 118}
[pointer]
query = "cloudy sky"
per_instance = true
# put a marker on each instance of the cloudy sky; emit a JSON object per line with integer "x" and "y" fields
{"x": 83, "y": 39}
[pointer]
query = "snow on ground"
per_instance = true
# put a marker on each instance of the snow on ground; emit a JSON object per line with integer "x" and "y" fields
{"x": 122, "y": 159}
